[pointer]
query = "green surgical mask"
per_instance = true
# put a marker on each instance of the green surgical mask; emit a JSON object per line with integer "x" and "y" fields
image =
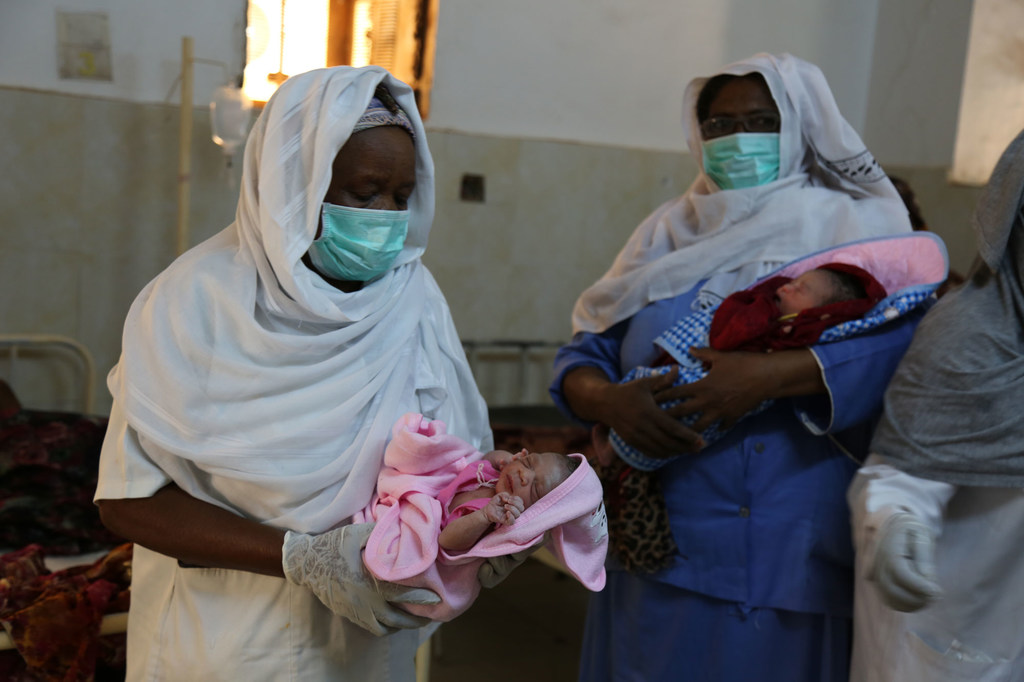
{"x": 358, "y": 244}
{"x": 742, "y": 159}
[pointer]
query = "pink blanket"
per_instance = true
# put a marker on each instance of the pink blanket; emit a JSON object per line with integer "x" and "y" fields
{"x": 420, "y": 461}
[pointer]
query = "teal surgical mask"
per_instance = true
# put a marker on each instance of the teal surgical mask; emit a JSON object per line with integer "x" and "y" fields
{"x": 742, "y": 159}
{"x": 358, "y": 244}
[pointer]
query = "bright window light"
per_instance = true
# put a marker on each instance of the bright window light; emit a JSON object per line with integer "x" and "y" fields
{"x": 283, "y": 38}
{"x": 992, "y": 98}
{"x": 362, "y": 33}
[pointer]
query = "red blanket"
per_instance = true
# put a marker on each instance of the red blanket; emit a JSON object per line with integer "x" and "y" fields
{"x": 54, "y": 618}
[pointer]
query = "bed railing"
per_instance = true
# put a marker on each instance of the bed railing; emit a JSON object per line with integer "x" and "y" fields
{"x": 511, "y": 371}
{"x": 17, "y": 346}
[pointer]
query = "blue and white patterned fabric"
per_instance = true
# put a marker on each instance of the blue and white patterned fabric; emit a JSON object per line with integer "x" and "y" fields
{"x": 693, "y": 330}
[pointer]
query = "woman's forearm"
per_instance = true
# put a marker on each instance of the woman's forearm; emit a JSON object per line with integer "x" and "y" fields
{"x": 174, "y": 523}
{"x": 793, "y": 373}
{"x": 583, "y": 391}
{"x": 737, "y": 382}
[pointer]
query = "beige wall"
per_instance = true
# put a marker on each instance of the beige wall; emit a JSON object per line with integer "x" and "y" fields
{"x": 90, "y": 218}
{"x": 89, "y": 197}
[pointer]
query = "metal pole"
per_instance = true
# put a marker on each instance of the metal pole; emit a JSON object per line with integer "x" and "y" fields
{"x": 185, "y": 144}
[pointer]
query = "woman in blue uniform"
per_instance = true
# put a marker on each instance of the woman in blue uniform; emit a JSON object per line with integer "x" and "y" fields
{"x": 761, "y": 586}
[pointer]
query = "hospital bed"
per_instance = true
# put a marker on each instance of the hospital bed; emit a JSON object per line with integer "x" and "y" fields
{"x": 50, "y": 531}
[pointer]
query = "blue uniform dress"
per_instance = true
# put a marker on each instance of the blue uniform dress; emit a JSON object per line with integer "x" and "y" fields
{"x": 762, "y": 586}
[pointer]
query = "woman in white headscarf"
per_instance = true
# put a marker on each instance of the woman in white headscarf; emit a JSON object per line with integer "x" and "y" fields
{"x": 259, "y": 379}
{"x": 938, "y": 508}
{"x": 761, "y": 584}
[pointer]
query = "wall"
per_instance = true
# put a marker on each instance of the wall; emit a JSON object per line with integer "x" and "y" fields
{"x": 571, "y": 71}
{"x": 577, "y": 71}
{"x": 608, "y": 72}
{"x": 89, "y": 215}
{"x": 145, "y": 37}
{"x": 570, "y": 110}
{"x": 992, "y": 107}
{"x": 555, "y": 215}
{"x": 84, "y": 234}
{"x": 916, "y": 76}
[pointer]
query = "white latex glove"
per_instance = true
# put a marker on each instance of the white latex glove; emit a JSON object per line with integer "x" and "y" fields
{"x": 904, "y": 567}
{"x": 497, "y": 568}
{"x": 331, "y": 565}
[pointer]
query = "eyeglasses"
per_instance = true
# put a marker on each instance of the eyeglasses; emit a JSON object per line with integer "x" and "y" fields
{"x": 763, "y": 122}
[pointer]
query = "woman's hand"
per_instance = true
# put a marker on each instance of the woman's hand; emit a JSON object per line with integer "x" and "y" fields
{"x": 331, "y": 566}
{"x": 503, "y": 509}
{"x": 737, "y": 382}
{"x": 632, "y": 409}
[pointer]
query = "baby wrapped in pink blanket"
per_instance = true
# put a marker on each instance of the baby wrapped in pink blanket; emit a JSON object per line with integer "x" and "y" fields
{"x": 423, "y": 465}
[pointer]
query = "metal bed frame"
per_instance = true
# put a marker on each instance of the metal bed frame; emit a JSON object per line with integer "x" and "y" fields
{"x": 16, "y": 346}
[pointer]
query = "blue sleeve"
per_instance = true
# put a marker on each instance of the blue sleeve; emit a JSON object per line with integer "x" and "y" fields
{"x": 857, "y": 371}
{"x": 588, "y": 350}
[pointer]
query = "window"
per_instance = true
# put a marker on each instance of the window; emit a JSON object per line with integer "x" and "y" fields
{"x": 992, "y": 99}
{"x": 284, "y": 37}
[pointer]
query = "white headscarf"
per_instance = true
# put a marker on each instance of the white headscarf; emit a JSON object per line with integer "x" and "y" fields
{"x": 244, "y": 371}
{"x": 830, "y": 191}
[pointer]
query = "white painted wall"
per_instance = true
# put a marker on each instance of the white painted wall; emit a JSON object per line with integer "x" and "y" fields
{"x": 145, "y": 37}
{"x": 593, "y": 71}
{"x": 916, "y": 77}
{"x": 992, "y": 109}
{"x": 613, "y": 72}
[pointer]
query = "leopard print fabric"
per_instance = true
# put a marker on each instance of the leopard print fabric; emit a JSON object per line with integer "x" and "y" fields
{"x": 639, "y": 535}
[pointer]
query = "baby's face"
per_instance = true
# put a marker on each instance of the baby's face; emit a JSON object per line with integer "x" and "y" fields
{"x": 532, "y": 475}
{"x": 809, "y": 290}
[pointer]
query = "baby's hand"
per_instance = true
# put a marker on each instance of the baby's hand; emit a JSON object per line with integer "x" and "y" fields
{"x": 503, "y": 509}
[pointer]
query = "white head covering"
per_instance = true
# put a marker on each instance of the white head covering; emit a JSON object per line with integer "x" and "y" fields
{"x": 830, "y": 191}
{"x": 244, "y": 371}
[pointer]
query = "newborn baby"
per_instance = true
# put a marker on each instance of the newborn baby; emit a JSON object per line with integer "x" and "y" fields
{"x": 510, "y": 485}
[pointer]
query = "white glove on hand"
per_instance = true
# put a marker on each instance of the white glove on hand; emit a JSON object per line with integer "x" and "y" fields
{"x": 331, "y": 565}
{"x": 497, "y": 568}
{"x": 904, "y": 568}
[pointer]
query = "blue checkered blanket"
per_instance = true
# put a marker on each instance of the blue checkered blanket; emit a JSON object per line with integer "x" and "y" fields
{"x": 692, "y": 332}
